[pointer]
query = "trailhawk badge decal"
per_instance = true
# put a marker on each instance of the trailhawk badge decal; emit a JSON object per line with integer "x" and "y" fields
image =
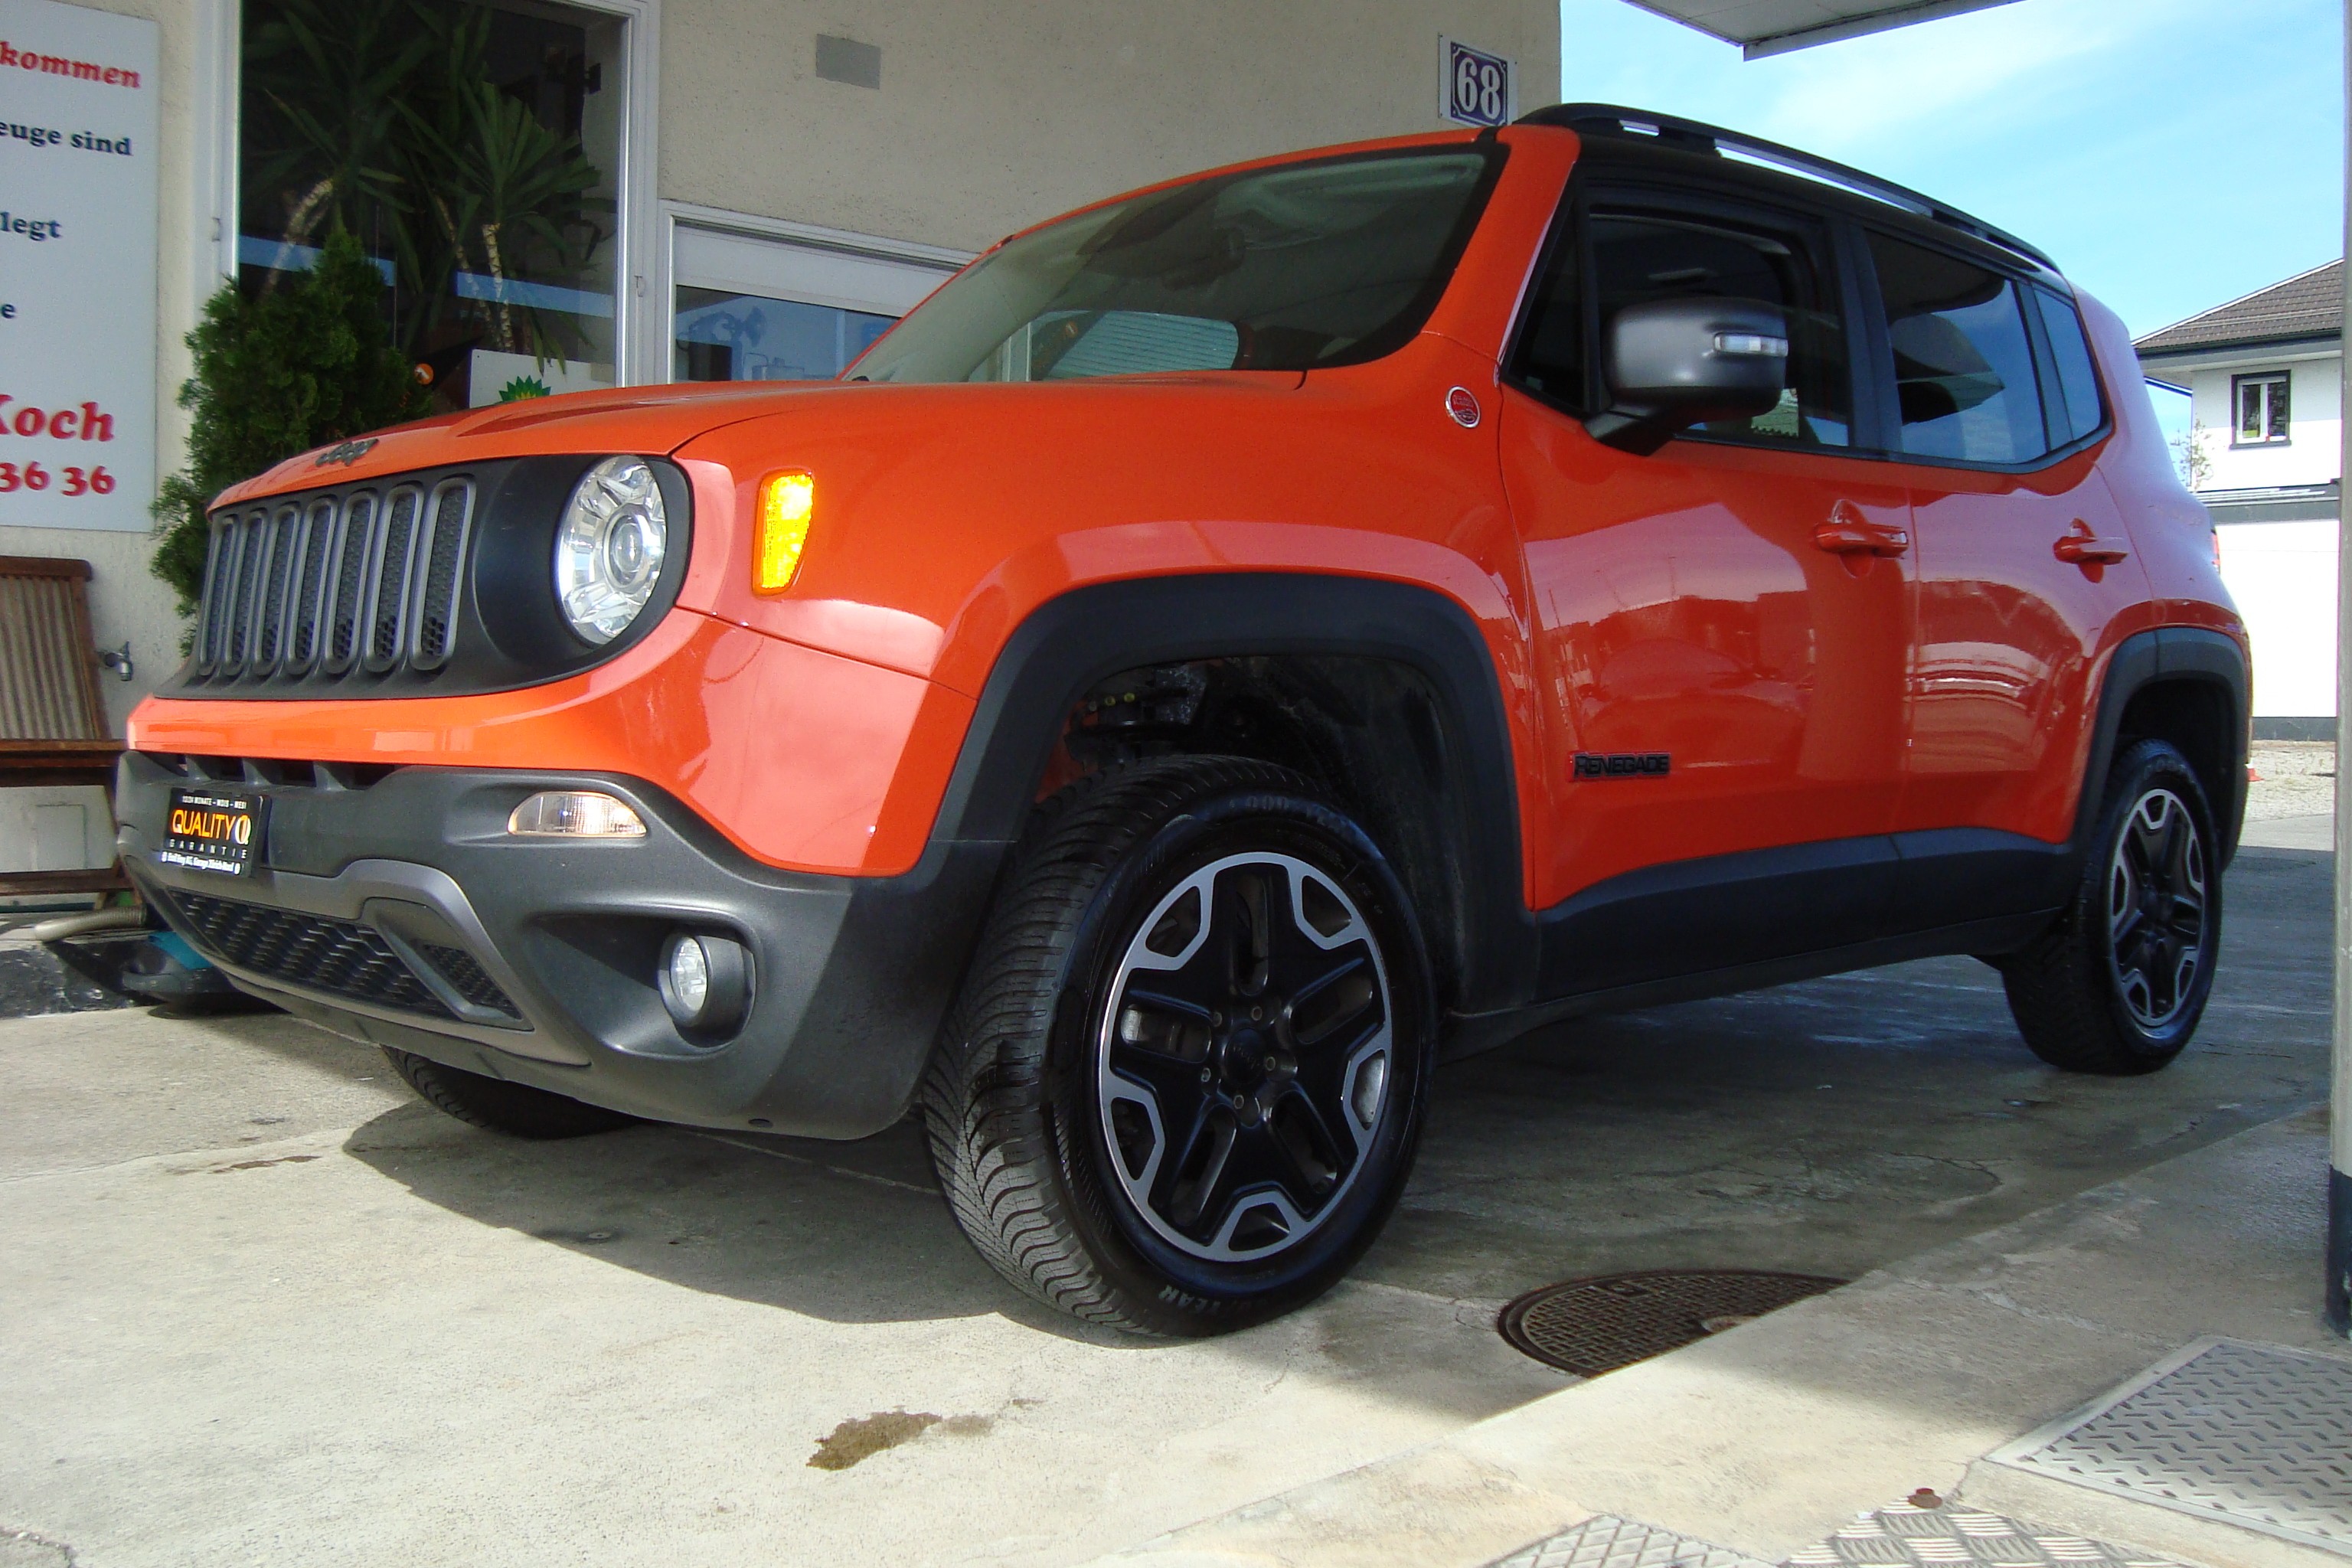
{"x": 1623, "y": 765}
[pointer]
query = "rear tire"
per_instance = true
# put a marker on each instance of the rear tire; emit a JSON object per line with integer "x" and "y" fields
{"x": 1182, "y": 1085}
{"x": 515, "y": 1108}
{"x": 2117, "y": 983}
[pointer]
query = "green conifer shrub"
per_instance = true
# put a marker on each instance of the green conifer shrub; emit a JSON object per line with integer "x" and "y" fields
{"x": 301, "y": 366}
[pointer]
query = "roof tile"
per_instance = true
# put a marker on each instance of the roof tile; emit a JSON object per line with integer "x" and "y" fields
{"x": 2310, "y": 305}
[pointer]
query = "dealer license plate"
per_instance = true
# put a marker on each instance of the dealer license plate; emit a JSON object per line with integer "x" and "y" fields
{"x": 212, "y": 831}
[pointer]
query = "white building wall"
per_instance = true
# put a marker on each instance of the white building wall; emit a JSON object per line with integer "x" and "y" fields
{"x": 2314, "y": 452}
{"x": 2282, "y": 576}
{"x": 991, "y": 117}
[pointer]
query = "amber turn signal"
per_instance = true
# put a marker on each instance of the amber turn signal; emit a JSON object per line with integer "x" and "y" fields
{"x": 786, "y": 501}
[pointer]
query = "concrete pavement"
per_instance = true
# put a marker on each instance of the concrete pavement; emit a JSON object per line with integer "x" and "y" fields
{"x": 259, "y": 1306}
{"x": 1766, "y": 1438}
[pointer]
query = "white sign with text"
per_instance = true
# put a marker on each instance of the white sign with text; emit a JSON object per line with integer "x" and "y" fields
{"x": 77, "y": 116}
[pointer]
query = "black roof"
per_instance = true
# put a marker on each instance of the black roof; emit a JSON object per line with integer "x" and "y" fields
{"x": 2308, "y": 305}
{"x": 1693, "y": 136}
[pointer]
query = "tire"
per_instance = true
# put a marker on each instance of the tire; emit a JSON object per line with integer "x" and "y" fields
{"x": 2117, "y": 983}
{"x": 514, "y": 1108}
{"x": 1174, "y": 1166}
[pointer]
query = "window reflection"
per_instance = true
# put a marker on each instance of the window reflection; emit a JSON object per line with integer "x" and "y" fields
{"x": 725, "y": 336}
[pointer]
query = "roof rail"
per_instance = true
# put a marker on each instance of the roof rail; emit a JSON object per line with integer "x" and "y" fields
{"x": 1692, "y": 136}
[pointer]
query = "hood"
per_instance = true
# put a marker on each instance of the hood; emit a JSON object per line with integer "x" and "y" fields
{"x": 651, "y": 420}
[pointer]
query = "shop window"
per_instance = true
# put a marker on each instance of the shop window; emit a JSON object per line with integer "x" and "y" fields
{"x": 749, "y": 304}
{"x": 727, "y": 336}
{"x": 2263, "y": 410}
{"x": 473, "y": 149}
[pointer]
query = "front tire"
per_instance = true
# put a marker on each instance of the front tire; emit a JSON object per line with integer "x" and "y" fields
{"x": 2116, "y": 986}
{"x": 1182, "y": 1085}
{"x": 515, "y": 1108}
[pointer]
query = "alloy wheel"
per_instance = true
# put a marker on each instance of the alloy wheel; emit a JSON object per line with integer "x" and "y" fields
{"x": 1243, "y": 1062}
{"x": 2157, "y": 909}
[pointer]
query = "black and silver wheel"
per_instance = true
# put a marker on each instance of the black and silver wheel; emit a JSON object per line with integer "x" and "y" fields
{"x": 2118, "y": 983}
{"x": 1183, "y": 1084}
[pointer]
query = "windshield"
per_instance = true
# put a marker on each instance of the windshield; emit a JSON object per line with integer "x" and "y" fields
{"x": 1295, "y": 267}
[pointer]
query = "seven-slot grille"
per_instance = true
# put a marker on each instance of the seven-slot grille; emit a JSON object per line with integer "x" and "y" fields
{"x": 317, "y": 588}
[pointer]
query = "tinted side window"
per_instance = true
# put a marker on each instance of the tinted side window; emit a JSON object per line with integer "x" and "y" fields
{"x": 1638, "y": 258}
{"x": 1642, "y": 256}
{"x": 1963, "y": 365}
{"x": 2074, "y": 408}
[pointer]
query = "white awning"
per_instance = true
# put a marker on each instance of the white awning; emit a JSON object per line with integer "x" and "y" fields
{"x": 1764, "y": 28}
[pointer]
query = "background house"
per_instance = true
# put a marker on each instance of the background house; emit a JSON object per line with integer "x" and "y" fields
{"x": 2264, "y": 376}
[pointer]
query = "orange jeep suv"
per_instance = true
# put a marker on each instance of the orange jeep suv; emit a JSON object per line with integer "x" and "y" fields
{"x": 1230, "y": 647}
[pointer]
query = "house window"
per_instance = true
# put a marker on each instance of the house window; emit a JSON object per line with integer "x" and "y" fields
{"x": 2262, "y": 405}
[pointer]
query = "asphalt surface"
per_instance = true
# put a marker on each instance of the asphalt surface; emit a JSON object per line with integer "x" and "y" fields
{"x": 260, "y": 1305}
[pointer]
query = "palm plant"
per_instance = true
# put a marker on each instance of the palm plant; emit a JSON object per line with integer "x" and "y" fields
{"x": 506, "y": 191}
{"x": 331, "y": 73}
{"x": 380, "y": 117}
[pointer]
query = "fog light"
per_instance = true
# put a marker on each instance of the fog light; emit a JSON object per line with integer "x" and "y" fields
{"x": 575, "y": 814}
{"x": 706, "y": 982}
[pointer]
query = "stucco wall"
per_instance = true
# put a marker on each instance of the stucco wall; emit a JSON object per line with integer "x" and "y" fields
{"x": 2313, "y": 453}
{"x": 991, "y": 117}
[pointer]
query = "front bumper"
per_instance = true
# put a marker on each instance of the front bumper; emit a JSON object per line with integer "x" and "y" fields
{"x": 403, "y": 913}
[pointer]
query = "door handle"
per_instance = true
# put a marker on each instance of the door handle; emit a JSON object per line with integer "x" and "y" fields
{"x": 2084, "y": 548}
{"x": 1849, "y": 532}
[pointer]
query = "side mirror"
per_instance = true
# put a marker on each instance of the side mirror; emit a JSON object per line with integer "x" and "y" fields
{"x": 1673, "y": 363}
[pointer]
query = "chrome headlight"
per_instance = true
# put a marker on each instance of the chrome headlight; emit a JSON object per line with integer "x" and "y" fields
{"x": 608, "y": 554}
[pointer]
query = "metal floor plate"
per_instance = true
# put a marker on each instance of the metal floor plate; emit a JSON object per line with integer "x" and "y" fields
{"x": 2256, "y": 1435}
{"x": 1604, "y": 1541}
{"x": 1904, "y": 1536}
{"x": 1901, "y": 1535}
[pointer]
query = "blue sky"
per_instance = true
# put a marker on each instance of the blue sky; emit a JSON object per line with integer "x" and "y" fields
{"x": 2171, "y": 154}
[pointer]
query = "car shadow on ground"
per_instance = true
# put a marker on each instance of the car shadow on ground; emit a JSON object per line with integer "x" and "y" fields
{"x": 842, "y": 1232}
{"x": 1829, "y": 1127}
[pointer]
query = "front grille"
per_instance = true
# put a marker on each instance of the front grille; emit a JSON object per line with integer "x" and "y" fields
{"x": 319, "y": 955}
{"x": 365, "y": 580}
{"x": 467, "y": 978}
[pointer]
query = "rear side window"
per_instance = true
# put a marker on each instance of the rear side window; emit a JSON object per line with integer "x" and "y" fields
{"x": 1963, "y": 365}
{"x": 2074, "y": 410}
{"x": 1638, "y": 257}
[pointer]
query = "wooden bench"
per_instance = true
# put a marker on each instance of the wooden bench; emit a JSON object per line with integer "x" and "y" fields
{"x": 52, "y": 721}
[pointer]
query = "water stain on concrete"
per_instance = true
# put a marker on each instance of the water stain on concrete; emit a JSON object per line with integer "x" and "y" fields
{"x": 259, "y": 1164}
{"x": 863, "y": 1437}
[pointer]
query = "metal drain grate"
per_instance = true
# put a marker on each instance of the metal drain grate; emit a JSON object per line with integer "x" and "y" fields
{"x": 1592, "y": 1326}
{"x": 2256, "y": 1435}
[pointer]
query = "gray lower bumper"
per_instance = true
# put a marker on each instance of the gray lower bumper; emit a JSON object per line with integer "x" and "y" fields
{"x": 403, "y": 913}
